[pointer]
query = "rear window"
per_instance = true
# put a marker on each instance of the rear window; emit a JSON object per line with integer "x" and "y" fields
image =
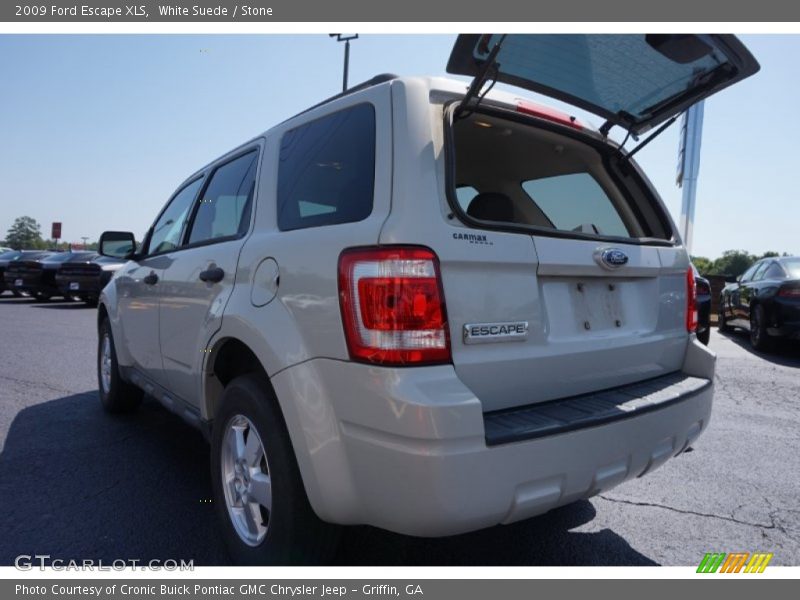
{"x": 326, "y": 170}
{"x": 792, "y": 267}
{"x": 576, "y": 202}
{"x": 512, "y": 173}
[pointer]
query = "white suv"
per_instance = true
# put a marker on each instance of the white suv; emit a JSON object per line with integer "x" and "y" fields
{"x": 427, "y": 308}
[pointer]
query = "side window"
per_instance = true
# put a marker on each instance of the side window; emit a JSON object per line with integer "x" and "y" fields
{"x": 326, "y": 170}
{"x": 748, "y": 275}
{"x": 759, "y": 274}
{"x": 224, "y": 208}
{"x": 168, "y": 230}
{"x": 774, "y": 271}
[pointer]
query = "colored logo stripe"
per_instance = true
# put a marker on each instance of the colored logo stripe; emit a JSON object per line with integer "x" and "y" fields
{"x": 734, "y": 562}
{"x": 711, "y": 562}
{"x": 758, "y": 562}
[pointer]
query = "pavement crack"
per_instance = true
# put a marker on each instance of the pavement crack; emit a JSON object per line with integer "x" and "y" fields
{"x": 772, "y": 524}
{"x": 39, "y": 384}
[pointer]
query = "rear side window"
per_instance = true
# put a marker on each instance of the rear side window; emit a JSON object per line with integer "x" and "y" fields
{"x": 224, "y": 208}
{"x": 576, "y": 202}
{"x": 168, "y": 230}
{"x": 774, "y": 271}
{"x": 326, "y": 170}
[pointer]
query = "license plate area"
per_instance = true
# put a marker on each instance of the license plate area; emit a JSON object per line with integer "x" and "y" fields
{"x": 18, "y": 282}
{"x": 599, "y": 306}
{"x": 74, "y": 285}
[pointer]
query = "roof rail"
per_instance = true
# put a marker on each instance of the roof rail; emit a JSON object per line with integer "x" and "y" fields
{"x": 378, "y": 79}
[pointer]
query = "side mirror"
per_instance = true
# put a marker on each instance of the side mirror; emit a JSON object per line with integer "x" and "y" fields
{"x": 117, "y": 244}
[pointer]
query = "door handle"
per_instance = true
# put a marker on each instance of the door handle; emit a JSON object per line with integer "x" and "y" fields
{"x": 213, "y": 275}
{"x": 151, "y": 279}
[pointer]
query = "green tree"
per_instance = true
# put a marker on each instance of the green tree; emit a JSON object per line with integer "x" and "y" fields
{"x": 703, "y": 264}
{"x": 24, "y": 233}
{"x": 769, "y": 254}
{"x": 733, "y": 263}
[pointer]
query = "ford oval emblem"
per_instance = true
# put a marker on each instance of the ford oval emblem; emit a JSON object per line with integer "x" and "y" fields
{"x": 613, "y": 258}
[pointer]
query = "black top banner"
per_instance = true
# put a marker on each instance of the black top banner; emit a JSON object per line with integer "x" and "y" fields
{"x": 390, "y": 11}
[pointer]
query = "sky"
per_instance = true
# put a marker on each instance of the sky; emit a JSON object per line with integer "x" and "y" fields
{"x": 97, "y": 131}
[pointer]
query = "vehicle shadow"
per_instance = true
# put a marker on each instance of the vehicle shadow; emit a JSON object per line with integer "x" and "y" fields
{"x": 77, "y": 483}
{"x": 63, "y": 305}
{"x": 785, "y": 353}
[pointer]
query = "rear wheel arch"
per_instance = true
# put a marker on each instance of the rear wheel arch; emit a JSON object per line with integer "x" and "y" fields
{"x": 227, "y": 359}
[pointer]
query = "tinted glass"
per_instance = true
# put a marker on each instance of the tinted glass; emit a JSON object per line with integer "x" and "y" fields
{"x": 224, "y": 209}
{"x": 792, "y": 266}
{"x": 774, "y": 271}
{"x": 574, "y": 201}
{"x": 748, "y": 275}
{"x": 9, "y": 255}
{"x": 168, "y": 230}
{"x": 613, "y": 72}
{"x": 326, "y": 173}
{"x": 759, "y": 272}
{"x": 465, "y": 194}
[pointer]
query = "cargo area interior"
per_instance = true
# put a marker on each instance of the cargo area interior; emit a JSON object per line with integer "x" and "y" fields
{"x": 512, "y": 173}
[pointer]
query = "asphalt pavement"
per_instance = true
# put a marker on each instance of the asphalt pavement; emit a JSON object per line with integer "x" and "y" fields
{"x": 77, "y": 483}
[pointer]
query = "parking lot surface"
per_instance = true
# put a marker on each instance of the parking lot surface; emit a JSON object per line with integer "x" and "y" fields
{"x": 76, "y": 483}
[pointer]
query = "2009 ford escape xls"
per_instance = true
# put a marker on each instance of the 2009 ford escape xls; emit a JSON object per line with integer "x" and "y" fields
{"x": 424, "y": 307}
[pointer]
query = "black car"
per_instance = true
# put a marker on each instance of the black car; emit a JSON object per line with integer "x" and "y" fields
{"x": 5, "y": 258}
{"x": 11, "y": 258}
{"x": 765, "y": 300}
{"x": 703, "y": 288}
{"x": 85, "y": 279}
{"x": 36, "y": 276}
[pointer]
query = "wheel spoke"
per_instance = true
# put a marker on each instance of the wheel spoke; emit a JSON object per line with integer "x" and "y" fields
{"x": 252, "y": 518}
{"x": 230, "y": 483}
{"x": 261, "y": 489}
{"x": 253, "y": 451}
{"x": 237, "y": 442}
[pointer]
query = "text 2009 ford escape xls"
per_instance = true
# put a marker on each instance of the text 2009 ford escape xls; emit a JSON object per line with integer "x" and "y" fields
{"x": 423, "y": 307}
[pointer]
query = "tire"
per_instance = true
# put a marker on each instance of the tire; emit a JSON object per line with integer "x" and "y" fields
{"x": 704, "y": 336}
{"x": 759, "y": 338}
{"x": 282, "y": 528}
{"x": 722, "y": 323}
{"x": 116, "y": 395}
{"x": 16, "y": 294}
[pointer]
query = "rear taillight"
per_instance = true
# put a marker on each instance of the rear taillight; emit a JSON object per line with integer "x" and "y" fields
{"x": 791, "y": 291}
{"x": 691, "y": 301}
{"x": 393, "y": 306}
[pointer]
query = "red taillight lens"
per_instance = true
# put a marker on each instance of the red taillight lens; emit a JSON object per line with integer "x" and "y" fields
{"x": 691, "y": 301}
{"x": 789, "y": 292}
{"x": 393, "y": 306}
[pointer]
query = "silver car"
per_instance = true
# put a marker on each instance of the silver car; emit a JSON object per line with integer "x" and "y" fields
{"x": 426, "y": 307}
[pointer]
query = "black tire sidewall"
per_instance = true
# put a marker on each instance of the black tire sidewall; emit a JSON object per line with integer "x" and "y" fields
{"x": 122, "y": 397}
{"x": 295, "y": 535}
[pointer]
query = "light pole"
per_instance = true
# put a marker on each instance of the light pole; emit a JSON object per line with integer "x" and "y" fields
{"x": 84, "y": 238}
{"x": 345, "y": 37}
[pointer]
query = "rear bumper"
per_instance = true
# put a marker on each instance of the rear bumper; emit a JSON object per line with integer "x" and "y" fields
{"x": 786, "y": 318}
{"x": 88, "y": 286}
{"x": 406, "y": 449}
